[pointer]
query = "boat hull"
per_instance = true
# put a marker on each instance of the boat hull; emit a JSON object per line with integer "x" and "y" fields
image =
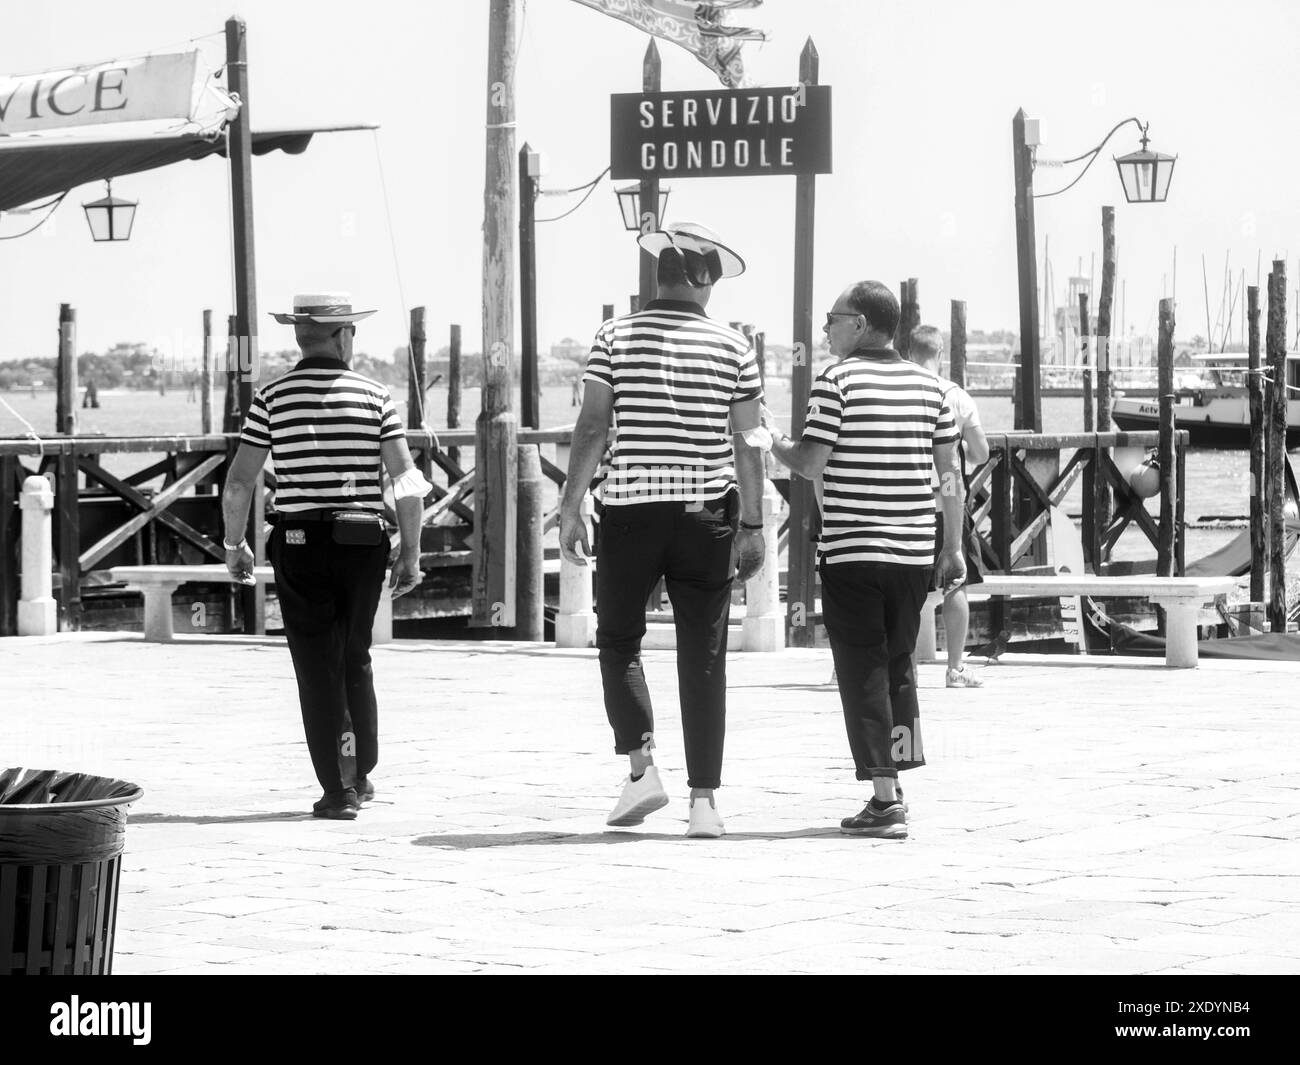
{"x": 1201, "y": 433}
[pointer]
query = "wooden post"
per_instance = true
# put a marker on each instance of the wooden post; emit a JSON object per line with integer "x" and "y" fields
{"x": 496, "y": 454}
{"x": 575, "y": 624}
{"x": 634, "y": 303}
{"x": 530, "y": 596}
{"x": 1168, "y": 473}
{"x": 530, "y": 392}
{"x": 230, "y": 416}
{"x": 1030, "y": 413}
{"x": 957, "y": 345}
{"x": 1085, "y": 362}
{"x": 9, "y": 536}
{"x": 66, "y": 403}
{"x": 415, "y": 370}
{"x": 801, "y": 583}
{"x": 606, "y": 311}
{"x": 69, "y": 541}
{"x": 764, "y": 628}
{"x": 241, "y": 199}
{"x": 1103, "y": 342}
{"x": 1255, "y": 388}
{"x": 453, "y": 388}
{"x": 205, "y": 376}
{"x": 651, "y": 75}
{"x": 760, "y": 357}
{"x": 1276, "y": 447}
{"x": 909, "y": 316}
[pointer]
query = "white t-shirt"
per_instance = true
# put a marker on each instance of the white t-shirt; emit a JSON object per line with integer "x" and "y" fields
{"x": 964, "y": 415}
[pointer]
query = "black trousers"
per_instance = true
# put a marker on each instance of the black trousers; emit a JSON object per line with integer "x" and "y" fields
{"x": 872, "y": 611}
{"x": 328, "y": 596}
{"x": 689, "y": 545}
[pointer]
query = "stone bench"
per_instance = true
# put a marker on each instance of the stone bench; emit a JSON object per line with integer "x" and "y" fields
{"x": 158, "y": 583}
{"x": 1181, "y": 598}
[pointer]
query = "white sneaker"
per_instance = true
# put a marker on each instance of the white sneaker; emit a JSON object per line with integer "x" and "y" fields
{"x": 705, "y": 822}
{"x": 640, "y": 797}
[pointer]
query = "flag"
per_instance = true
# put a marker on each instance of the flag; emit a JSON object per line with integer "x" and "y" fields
{"x": 699, "y": 28}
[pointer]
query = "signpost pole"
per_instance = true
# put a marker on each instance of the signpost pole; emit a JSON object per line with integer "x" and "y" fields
{"x": 801, "y": 622}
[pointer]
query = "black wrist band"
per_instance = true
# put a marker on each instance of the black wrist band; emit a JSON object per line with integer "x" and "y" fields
{"x": 752, "y": 528}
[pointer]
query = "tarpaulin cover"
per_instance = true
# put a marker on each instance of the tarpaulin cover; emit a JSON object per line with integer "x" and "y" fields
{"x": 32, "y": 169}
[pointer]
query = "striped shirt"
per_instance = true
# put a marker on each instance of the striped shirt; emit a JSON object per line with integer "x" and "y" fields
{"x": 675, "y": 374}
{"x": 881, "y": 416}
{"x": 323, "y": 424}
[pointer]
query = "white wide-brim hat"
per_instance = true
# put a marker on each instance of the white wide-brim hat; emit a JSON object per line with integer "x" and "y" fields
{"x": 691, "y": 236}
{"x": 327, "y": 308}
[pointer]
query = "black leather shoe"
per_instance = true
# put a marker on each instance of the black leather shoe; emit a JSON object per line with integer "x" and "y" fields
{"x": 337, "y": 805}
{"x": 365, "y": 789}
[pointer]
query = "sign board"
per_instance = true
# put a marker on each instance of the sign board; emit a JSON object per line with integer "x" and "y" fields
{"x": 721, "y": 132}
{"x": 123, "y": 90}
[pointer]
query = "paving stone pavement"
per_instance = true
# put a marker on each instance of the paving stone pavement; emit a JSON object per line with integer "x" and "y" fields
{"x": 1074, "y": 817}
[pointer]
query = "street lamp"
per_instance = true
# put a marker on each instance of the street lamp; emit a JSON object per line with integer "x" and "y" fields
{"x": 110, "y": 218}
{"x": 629, "y": 203}
{"x": 1145, "y": 176}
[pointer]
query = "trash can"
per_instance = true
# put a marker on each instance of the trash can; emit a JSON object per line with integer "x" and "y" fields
{"x": 61, "y": 839}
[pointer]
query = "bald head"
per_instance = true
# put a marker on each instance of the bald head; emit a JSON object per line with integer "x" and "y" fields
{"x": 926, "y": 346}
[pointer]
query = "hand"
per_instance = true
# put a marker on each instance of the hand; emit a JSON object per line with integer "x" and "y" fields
{"x": 406, "y": 575}
{"x": 573, "y": 534}
{"x": 748, "y": 550}
{"x": 240, "y": 564}
{"x": 951, "y": 570}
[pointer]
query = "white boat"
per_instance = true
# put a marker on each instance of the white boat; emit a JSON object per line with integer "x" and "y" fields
{"x": 1213, "y": 406}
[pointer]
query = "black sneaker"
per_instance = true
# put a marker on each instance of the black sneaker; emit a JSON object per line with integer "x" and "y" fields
{"x": 881, "y": 821}
{"x": 337, "y": 805}
{"x": 365, "y": 789}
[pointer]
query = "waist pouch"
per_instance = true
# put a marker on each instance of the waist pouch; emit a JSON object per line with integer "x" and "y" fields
{"x": 358, "y": 528}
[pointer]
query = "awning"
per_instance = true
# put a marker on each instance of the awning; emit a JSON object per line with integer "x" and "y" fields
{"x": 32, "y": 169}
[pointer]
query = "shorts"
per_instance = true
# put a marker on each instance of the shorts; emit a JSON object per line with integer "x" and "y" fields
{"x": 973, "y": 575}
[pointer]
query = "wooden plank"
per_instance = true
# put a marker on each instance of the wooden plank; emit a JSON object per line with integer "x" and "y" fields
{"x": 157, "y": 504}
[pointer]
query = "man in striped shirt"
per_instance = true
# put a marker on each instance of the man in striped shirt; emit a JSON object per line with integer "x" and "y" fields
{"x": 680, "y": 388}
{"x": 875, "y": 427}
{"x": 328, "y": 430}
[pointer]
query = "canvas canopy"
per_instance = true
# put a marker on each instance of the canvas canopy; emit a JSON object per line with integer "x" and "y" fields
{"x": 34, "y": 169}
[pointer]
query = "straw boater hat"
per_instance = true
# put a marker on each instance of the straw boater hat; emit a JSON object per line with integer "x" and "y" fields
{"x": 327, "y": 308}
{"x": 693, "y": 237}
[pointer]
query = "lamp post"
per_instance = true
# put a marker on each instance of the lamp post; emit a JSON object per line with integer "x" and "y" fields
{"x": 1145, "y": 176}
{"x": 110, "y": 219}
{"x": 630, "y": 198}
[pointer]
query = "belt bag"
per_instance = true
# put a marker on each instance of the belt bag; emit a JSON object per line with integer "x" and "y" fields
{"x": 358, "y": 528}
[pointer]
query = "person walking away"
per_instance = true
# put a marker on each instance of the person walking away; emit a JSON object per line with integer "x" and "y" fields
{"x": 329, "y": 432}
{"x": 973, "y": 450}
{"x": 876, "y": 425}
{"x": 681, "y": 390}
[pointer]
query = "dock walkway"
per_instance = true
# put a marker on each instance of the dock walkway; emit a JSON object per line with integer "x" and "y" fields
{"x": 1075, "y": 817}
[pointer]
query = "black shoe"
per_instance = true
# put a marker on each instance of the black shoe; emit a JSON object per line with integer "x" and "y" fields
{"x": 878, "y": 820}
{"x": 365, "y": 789}
{"x": 337, "y": 805}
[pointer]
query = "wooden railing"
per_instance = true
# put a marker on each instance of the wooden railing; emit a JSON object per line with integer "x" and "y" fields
{"x": 125, "y": 518}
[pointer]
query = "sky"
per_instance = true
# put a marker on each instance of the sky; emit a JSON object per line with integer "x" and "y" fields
{"x": 923, "y": 94}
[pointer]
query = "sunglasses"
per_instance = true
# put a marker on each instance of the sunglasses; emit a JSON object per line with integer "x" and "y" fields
{"x": 832, "y": 315}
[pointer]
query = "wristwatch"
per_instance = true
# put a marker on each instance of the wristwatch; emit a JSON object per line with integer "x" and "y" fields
{"x": 243, "y": 543}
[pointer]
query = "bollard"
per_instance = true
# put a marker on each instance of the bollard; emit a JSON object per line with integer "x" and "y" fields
{"x": 575, "y": 625}
{"x": 764, "y": 626}
{"x": 530, "y": 600}
{"x": 37, "y": 612}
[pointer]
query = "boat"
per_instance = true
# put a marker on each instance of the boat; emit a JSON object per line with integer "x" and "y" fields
{"x": 1214, "y": 405}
